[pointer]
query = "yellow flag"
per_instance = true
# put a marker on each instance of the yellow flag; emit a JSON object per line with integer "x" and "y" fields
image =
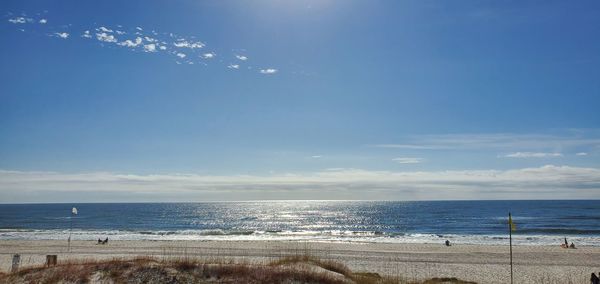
{"x": 513, "y": 227}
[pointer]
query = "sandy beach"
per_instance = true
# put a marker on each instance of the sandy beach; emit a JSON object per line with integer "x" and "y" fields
{"x": 483, "y": 264}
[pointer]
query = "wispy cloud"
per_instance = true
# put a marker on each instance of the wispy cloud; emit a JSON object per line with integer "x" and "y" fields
{"x": 408, "y": 160}
{"x": 20, "y": 20}
{"x": 268, "y": 71}
{"x": 501, "y": 141}
{"x": 185, "y": 44}
{"x": 105, "y": 37}
{"x": 103, "y": 29}
{"x": 539, "y": 183}
{"x": 150, "y": 47}
{"x": 532, "y": 155}
{"x": 152, "y": 41}
{"x": 62, "y": 35}
{"x": 129, "y": 43}
{"x": 181, "y": 55}
{"x": 581, "y": 154}
{"x": 407, "y": 146}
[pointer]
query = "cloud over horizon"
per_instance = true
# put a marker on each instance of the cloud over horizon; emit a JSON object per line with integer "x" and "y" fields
{"x": 546, "y": 182}
{"x": 408, "y": 160}
{"x": 532, "y": 155}
{"x": 570, "y": 139}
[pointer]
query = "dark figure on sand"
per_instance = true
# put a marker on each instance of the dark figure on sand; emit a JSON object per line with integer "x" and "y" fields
{"x": 566, "y": 245}
{"x": 447, "y": 243}
{"x": 594, "y": 279}
{"x": 101, "y": 242}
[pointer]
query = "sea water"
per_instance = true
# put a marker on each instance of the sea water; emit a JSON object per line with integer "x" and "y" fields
{"x": 464, "y": 222}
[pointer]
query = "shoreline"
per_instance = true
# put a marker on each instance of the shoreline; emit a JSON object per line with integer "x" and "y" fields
{"x": 358, "y": 237}
{"x": 480, "y": 263}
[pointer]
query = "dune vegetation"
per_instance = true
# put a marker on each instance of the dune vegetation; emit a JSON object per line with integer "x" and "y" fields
{"x": 295, "y": 269}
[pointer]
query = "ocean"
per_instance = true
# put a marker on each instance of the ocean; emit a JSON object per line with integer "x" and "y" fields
{"x": 460, "y": 222}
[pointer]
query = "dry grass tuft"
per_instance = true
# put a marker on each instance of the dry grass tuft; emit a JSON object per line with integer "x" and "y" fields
{"x": 330, "y": 265}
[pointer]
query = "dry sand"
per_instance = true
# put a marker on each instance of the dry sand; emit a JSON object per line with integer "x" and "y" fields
{"x": 483, "y": 264}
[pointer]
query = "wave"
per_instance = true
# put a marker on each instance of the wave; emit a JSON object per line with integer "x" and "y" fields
{"x": 580, "y": 217}
{"x": 17, "y": 230}
{"x": 557, "y": 231}
{"x": 249, "y": 219}
{"x": 320, "y": 236}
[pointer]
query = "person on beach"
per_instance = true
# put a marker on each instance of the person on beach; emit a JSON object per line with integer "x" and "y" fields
{"x": 572, "y": 245}
{"x": 447, "y": 243}
{"x": 565, "y": 245}
{"x": 594, "y": 279}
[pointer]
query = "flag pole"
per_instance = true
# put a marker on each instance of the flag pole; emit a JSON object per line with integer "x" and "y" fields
{"x": 70, "y": 230}
{"x": 73, "y": 213}
{"x": 510, "y": 245}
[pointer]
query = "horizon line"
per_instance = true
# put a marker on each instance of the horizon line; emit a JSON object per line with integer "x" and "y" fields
{"x": 296, "y": 200}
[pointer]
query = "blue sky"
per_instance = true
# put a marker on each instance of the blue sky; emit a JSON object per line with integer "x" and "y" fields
{"x": 271, "y": 89}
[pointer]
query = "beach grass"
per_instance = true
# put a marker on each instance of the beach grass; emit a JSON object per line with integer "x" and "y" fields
{"x": 293, "y": 269}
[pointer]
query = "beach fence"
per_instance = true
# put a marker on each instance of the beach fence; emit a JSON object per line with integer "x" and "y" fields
{"x": 51, "y": 260}
{"x": 16, "y": 261}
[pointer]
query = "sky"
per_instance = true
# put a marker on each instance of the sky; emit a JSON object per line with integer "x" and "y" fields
{"x": 140, "y": 101}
